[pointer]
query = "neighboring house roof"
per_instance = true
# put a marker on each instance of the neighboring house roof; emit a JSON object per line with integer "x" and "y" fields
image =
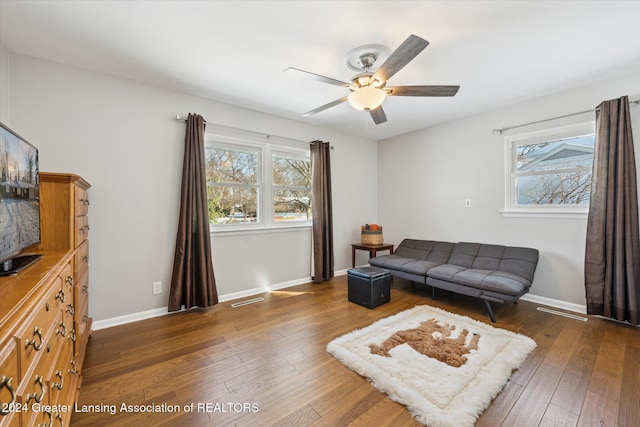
{"x": 558, "y": 153}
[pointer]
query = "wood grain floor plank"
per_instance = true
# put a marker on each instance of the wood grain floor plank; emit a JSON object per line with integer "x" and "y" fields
{"x": 601, "y": 403}
{"x": 501, "y": 406}
{"x": 629, "y": 409}
{"x": 555, "y": 416}
{"x": 574, "y": 384}
{"x": 532, "y": 403}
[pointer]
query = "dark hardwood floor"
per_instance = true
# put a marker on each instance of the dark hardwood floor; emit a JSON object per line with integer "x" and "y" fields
{"x": 266, "y": 364}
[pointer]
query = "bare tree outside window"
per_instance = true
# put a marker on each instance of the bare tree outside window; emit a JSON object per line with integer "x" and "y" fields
{"x": 291, "y": 188}
{"x": 233, "y": 185}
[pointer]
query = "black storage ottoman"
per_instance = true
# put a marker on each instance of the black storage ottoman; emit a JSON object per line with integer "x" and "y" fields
{"x": 369, "y": 286}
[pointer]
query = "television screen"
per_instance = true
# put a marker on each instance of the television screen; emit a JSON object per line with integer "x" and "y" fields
{"x": 19, "y": 195}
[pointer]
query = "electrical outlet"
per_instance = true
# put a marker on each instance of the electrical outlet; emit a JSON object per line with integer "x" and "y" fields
{"x": 156, "y": 288}
{"x": 467, "y": 203}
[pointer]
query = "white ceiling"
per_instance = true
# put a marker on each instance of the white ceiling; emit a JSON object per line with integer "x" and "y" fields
{"x": 499, "y": 52}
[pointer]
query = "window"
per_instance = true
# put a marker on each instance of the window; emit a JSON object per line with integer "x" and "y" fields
{"x": 291, "y": 179}
{"x": 252, "y": 184}
{"x": 233, "y": 183}
{"x": 549, "y": 172}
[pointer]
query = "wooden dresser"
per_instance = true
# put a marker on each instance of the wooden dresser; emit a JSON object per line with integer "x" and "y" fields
{"x": 44, "y": 314}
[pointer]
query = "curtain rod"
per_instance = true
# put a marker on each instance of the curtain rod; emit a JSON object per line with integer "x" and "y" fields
{"x": 266, "y": 135}
{"x": 499, "y": 131}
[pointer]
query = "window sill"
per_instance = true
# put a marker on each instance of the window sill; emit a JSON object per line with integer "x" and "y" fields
{"x": 545, "y": 214}
{"x": 258, "y": 229}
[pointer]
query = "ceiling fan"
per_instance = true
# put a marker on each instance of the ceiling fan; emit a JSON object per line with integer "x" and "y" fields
{"x": 369, "y": 89}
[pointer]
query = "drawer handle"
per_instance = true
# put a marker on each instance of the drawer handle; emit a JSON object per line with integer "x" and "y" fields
{"x": 85, "y": 318}
{"x": 60, "y": 295}
{"x": 70, "y": 309}
{"x": 70, "y": 280}
{"x": 84, "y": 201}
{"x": 83, "y": 230}
{"x": 59, "y": 418}
{"x": 61, "y": 383}
{"x": 6, "y": 383}
{"x": 37, "y": 332}
{"x": 50, "y": 423}
{"x": 86, "y": 259}
{"x": 62, "y": 330}
{"x": 72, "y": 335}
{"x": 74, "y": 369}
{"x": 38, "y": 381}
{"x": 85, "y": 289}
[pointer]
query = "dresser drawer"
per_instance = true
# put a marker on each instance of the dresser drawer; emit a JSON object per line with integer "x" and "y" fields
{"x": 9, "y": 380}
{"x": 63, "y": 296}
{"x": 34, "y": 390}
{"x": 82, "y": 325}
{"x": 33, "y": 338}
{"x": 81, "y": 232}
{"x": 81, "y": 259}
{"x": 81, "y": 201}
{"x": 60, "y": 379}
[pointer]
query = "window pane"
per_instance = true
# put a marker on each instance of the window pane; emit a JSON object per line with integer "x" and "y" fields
{"x": 231, "y": 166}
{"x": 292, "y": 205}
{"x": 555, "y": 155}
{"x": 554, "y": 189}
{"x": 290, "y": 172}
{"x": 231, "y": 204}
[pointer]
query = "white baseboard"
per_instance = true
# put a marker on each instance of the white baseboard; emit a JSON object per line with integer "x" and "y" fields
{"x": 569, "y": 306}
{"x": 162, "y": 311}
{"x": 128, "y": 318}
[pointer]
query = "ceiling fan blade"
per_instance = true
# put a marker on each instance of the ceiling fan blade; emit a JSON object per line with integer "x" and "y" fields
{"x": 325, "y": 107}
{"x": 320, "y": 78}
{"x": 378, "y": 115}
{"x": 422, "y": 90}
{"x": 400, "y": 57}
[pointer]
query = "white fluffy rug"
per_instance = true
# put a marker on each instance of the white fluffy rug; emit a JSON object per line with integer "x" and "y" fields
{"x": 437, "y": 393}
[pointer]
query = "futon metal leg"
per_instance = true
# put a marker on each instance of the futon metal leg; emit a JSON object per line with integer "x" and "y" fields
{"x": 433, "y": 292}
{"x": 488, "y": 304}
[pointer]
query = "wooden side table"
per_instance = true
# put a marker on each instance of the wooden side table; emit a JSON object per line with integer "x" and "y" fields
{"x": 372, "y": 249}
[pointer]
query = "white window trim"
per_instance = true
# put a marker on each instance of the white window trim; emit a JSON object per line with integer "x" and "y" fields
{"x": 545, "y": 211}
{"x": 265, "y": 222}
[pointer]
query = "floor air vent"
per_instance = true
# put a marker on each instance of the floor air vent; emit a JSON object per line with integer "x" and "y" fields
{"x": 247, "y": 302}
{"x": 560, "y": 313}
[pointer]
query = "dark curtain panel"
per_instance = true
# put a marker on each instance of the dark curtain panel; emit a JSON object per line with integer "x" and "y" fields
{"x": 193, "y": 283}
{"x": 612, "y": 261}
{"x": 322, "y": 211}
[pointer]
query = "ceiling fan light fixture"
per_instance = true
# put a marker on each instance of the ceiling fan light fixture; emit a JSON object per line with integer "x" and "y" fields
{"x": 366, "y": 98}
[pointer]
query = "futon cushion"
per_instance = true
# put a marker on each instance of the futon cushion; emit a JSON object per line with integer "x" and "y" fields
{"x": 419, "y": 267}
{"x": 496, "y": 281}
{"x": 427, "y": 250}
{"x": 393, "y": 262}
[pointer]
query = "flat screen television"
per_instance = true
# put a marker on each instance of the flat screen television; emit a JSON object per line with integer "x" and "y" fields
{"x": 19, "y": 201}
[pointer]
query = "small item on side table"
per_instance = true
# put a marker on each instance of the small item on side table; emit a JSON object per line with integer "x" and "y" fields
{"x": 371, "y": 234}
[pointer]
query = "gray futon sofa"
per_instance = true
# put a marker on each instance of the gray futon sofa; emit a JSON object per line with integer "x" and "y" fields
{"x": 489, "y": 272}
